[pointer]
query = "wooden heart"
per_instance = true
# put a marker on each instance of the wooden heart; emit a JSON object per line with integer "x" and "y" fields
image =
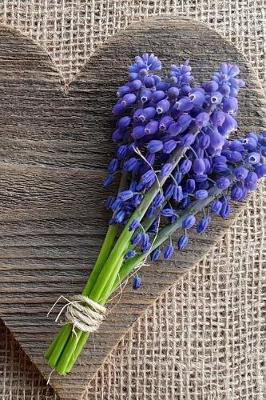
{"x": 55, "y": 145}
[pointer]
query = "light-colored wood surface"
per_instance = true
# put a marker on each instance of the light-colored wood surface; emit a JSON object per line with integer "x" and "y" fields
{"x": 55, "y": 145}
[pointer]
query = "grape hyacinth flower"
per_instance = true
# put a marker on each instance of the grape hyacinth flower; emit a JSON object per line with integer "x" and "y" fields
{"x": 178, "y": 166}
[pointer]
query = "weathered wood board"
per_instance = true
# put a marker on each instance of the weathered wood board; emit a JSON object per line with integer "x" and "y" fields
{"x": 55, "y": 145}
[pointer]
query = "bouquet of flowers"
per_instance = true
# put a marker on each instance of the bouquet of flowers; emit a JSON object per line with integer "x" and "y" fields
{"x": 178, "y": 167}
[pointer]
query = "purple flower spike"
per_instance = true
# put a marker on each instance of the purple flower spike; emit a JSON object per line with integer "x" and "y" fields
{"x": 182, "y": 242}
{"x": 168, "y": 252}
{"x": 189, "y": 221}
{"x": 154, "y": 146}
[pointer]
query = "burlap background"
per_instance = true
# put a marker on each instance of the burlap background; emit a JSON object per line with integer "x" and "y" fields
{"x": 205, "y": 339}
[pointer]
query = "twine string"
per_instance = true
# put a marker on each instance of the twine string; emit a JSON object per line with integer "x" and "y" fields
{"x": 82, "y": 312}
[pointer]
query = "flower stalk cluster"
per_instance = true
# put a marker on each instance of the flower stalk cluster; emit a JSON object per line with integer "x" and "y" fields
{"x": 178, "y": 168}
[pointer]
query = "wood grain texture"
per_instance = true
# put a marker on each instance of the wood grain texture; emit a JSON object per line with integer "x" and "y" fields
{"x": 55, "y": 145}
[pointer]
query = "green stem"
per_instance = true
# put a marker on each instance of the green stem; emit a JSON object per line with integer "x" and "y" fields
{"x": 102, "y": 257}
{"x": 103, "y": 279}
{"x": 106, "y": 247}
{"x": 58, "y": 345}
{"x": 78, "y": 345}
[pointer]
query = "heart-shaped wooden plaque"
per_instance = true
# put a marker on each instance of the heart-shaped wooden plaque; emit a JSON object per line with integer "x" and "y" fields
{"x": 55, "y": 145}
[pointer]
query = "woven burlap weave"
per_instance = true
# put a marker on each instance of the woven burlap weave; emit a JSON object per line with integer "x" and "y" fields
{"x": 204, "y": 339}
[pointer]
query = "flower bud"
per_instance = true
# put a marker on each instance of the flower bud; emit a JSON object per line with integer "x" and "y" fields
{"x": 128, "y": 99}
{"x": 182, "y": 242}
{"x": 201, "y": 194}
{"x": 138, "y": 132}
{"x": 168, "y": 252}
{"x": 169, "y": 146}
{"x": 240, "y": 173}
{"x": 185, "y": 166}
{"x": 223, "y": 183}
{"x": 216, "y": 206}
{"x": 189, "y": 221}
{"x": 155, "y": 255}
{"x": 154, "y": 146}
{"x": 203, "y": 224}
{"x": 198, "y": 166}
{"x": 136, "y": 282}
{"x": 164, "y": 123}
{"x": 152, "y": 127}
{"x": 158, "y": 95}
{"x": 162, "y": 106}
{"x": 251, "y": 181}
